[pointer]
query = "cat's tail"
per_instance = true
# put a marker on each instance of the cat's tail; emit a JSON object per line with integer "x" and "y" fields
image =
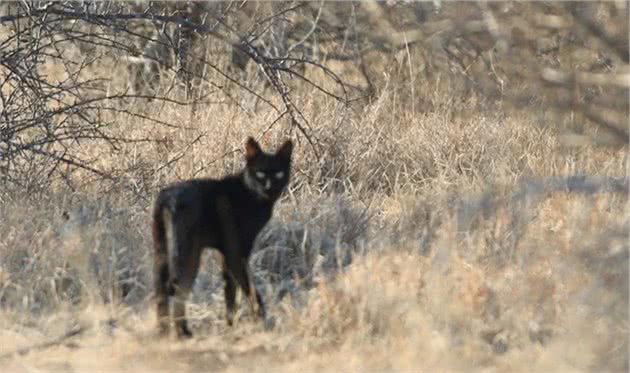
{"x": 160, "y": 249}
{"x": 161, "y": 263}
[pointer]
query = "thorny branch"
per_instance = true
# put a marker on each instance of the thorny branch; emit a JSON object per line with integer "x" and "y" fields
{"x": 42, "y": 120}
{"x": 492, "y": 46}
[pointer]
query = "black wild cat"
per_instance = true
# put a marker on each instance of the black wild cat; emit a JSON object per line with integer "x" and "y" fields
{"x": 225, "y": 214}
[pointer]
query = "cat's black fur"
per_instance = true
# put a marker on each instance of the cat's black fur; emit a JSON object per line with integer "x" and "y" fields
{"x": 225, "y": 214}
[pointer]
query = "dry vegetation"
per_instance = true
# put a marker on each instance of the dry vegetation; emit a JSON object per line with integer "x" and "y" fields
{"x": 459, "y": 233}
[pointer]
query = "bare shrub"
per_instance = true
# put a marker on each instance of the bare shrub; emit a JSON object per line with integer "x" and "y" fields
{"x": 83, "y": 255}
{"x": 307, "y": 245}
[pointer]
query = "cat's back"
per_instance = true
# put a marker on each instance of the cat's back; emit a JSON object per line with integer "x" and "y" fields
{"x": 200, "y": 191}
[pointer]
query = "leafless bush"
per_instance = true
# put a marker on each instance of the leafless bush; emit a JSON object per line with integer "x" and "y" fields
{"x": 311, "y": 244}
{"x": 193, "y": 53}
{"x": 566, "y": 57}
{"x": 87, "y": 253}
{"x": 46, "y": 115}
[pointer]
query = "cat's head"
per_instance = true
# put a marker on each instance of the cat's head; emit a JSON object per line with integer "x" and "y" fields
{"x": 267, "y": 174}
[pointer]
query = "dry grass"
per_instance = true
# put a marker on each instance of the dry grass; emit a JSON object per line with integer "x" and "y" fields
{"x": 402, "y": 248}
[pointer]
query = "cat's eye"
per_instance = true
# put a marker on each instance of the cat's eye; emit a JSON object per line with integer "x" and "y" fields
{"x": 279, "y": 175}
{"x": 260, "y": 175}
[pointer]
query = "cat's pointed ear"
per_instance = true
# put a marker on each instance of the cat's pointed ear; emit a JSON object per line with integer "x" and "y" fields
{"x": 252, "y": 149}
{"x": 285, "y": 150}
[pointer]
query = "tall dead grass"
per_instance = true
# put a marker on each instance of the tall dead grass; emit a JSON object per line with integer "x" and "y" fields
{"x": 403, "y": 247}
